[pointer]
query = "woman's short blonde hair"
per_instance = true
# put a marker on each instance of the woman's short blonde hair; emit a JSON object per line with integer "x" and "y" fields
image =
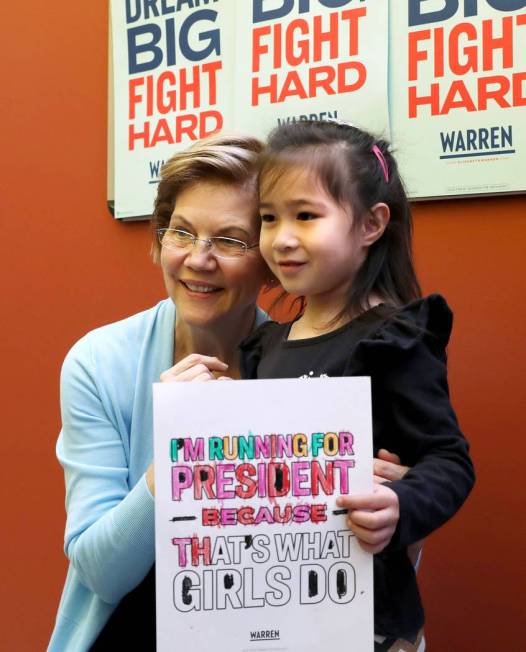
{"x": 232, "y": 159}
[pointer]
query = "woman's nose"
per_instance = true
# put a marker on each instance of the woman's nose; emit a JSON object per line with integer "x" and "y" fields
{"x": 200, "y": 257}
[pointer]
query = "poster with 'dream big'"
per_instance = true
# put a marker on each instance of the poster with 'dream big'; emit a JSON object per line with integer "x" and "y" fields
{"x": 252, "y": 552}
{"x": 172, "y": 81}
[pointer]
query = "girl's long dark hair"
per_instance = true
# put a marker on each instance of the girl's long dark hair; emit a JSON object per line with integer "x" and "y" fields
{"x": 342, "y": 158}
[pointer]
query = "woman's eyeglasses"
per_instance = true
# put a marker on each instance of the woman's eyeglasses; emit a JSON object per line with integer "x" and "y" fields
{"x": 219, "y": 246}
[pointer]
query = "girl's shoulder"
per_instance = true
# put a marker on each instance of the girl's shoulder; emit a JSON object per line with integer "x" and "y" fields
{"x": 265, "y": 337}
{"x": 262, "y": 336}
{"x": 425, "y": 317}
{"x": 376, "y": 336}
{"x": 424, "y": 322}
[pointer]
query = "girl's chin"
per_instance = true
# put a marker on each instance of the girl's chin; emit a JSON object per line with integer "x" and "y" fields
{"x": 292, "y": 288}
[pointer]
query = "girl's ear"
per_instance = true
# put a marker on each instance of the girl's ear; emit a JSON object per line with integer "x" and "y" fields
{"x": 374, "y": 224}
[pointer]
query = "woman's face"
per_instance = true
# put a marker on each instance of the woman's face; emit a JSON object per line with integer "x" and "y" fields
{"x": 210, "y": 291}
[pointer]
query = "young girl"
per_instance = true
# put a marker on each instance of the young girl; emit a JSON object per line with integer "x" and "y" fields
{"x": 336, "y": 231}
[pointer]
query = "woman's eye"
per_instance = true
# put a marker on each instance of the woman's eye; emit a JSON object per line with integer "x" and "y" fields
{"x": 304, "y": 216}
{"x": 181, "y": 235}
{"x": 267, "y": 218}
{"x": 179, "y": 229}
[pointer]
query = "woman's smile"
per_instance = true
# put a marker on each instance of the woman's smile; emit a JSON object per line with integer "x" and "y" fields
{"x": 200, "y": 288}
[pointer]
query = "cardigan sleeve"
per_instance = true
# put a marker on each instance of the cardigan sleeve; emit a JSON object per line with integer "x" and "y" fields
{"x": 109, "y": 536}
{"x": 413, "y": 416}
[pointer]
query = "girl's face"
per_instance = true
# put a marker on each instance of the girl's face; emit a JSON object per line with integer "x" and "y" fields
{"x": 308, "y": 240}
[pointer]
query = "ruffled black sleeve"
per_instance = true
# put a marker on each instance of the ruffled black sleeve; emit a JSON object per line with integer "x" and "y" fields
{"x": 413, "y": 416}
{"x": 254, "y": 345}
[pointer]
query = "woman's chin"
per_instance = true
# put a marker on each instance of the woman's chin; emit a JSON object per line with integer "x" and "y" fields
{"x": 199, "y": 316}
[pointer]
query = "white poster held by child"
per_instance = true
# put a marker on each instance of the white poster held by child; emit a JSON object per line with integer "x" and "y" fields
{"x": 251, "y": 551}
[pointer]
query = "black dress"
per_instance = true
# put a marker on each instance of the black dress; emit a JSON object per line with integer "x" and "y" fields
{"x": 403, "y": 351}
{"x": 132, "y": 625}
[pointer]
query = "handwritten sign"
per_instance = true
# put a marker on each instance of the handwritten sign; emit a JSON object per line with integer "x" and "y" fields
{"x": 250, "y": 546}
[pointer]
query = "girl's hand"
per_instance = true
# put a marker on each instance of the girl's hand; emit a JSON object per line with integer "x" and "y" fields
{"x": 387, "y": 467}
{"x": 194, "y": 367}
{"x": 372, "y": 517}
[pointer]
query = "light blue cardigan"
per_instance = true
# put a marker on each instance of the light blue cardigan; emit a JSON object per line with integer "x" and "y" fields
{"x": 105, "y": 447}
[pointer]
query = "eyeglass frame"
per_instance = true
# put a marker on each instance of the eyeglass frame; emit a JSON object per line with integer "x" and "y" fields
{"x": 209, "y": 242}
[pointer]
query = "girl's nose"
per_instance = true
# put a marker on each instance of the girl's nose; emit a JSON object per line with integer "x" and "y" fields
{"x": 285, "y": 239}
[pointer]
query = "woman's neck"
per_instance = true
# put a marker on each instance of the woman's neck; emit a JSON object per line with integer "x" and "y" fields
{"x": 220, "y": 341}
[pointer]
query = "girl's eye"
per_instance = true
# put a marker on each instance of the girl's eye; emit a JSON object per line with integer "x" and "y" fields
{"x": 267, "y": 218}
{"x": 304, "y": 216}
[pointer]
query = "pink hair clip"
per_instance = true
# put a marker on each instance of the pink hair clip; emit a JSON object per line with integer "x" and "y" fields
{"x": 381, "y": 159}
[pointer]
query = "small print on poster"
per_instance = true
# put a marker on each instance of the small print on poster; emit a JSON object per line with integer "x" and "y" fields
{"x": 251, "y": 550}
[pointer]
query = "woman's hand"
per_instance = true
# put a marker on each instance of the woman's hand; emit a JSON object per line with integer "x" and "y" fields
{"x": 194, "y": 367}
{"x": 150, "y": 479}
{"x": 387, "y": 466}
{"x": 372, "y": 517}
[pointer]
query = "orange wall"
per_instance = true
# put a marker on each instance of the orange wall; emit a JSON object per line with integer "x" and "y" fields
{"x": 68, "y": 267}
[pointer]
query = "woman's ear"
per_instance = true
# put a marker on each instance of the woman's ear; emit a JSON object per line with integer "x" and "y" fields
{"x": 374, "y": 224}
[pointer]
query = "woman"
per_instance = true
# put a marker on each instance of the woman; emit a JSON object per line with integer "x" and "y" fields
{"x": 207, "y": 199}
{"x": 207, "y": 220}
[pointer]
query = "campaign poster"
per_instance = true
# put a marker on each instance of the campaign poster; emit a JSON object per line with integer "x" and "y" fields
{"x": 458, "y": 95}
{"x": 252, "y": 552}
{"x": 314, "y": 59}
{"x": 172, "y": 80}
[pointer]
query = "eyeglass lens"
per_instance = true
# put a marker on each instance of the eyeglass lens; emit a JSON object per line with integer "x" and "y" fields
{"x": 228, "y": 247}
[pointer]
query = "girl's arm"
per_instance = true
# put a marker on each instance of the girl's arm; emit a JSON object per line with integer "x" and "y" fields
{"x": 413, "y": 397}
{"x": 414, "y": 417}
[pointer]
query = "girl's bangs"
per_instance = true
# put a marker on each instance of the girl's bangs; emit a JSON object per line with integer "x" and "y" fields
{"x": 326, "y": 163}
